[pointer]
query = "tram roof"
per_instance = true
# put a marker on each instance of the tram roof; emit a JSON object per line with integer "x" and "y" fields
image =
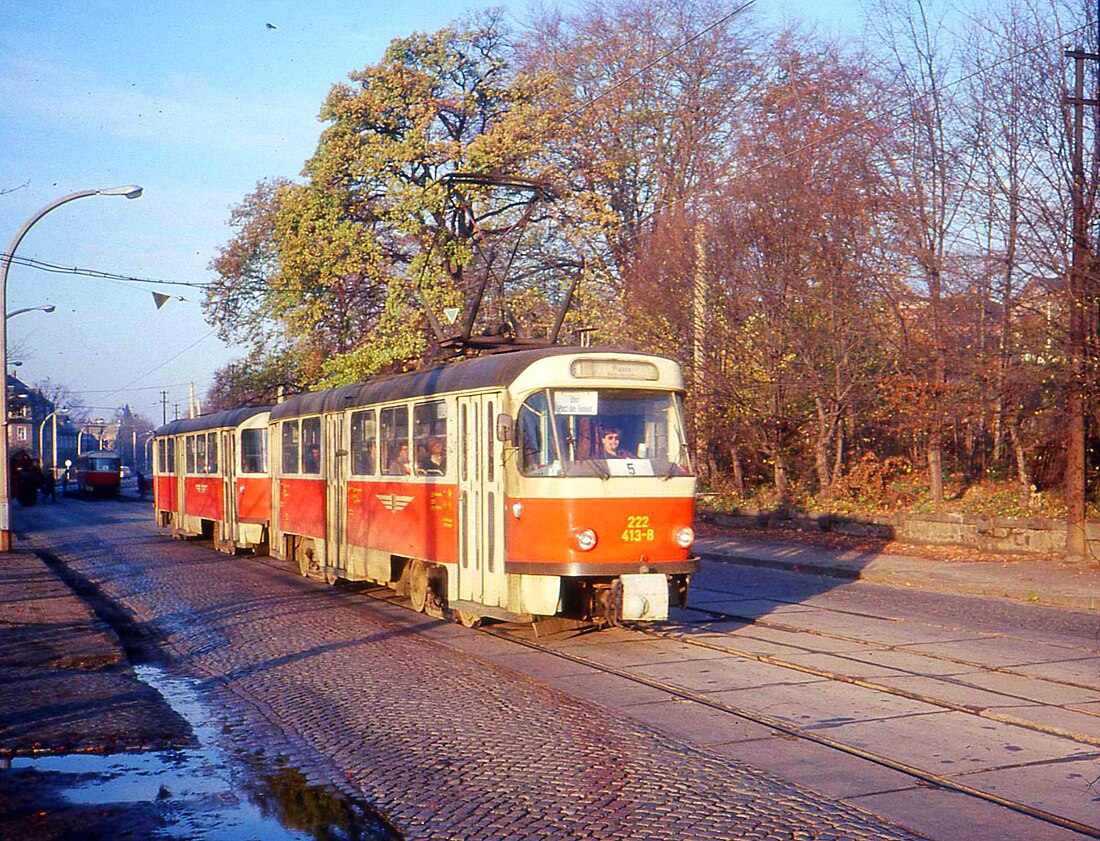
{"x": 216, "y": 420}
{"x": 492, "y": 371}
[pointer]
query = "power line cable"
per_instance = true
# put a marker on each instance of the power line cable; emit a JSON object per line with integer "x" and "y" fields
{"x": 162, "y": 364}
{"x": 56, "y": 268}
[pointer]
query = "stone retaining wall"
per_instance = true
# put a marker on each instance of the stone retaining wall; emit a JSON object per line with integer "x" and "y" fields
{"x": 1032, "y": 535}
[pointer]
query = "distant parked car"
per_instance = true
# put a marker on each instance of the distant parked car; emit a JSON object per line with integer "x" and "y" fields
{"x": 124, "y": 471}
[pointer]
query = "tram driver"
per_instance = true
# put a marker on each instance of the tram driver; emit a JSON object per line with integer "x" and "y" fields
{"x": 609, "y": 444}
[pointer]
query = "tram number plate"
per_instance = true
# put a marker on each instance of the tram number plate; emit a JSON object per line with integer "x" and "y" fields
{"x": 629, "y": 467}
{"x": 637, "y": 530}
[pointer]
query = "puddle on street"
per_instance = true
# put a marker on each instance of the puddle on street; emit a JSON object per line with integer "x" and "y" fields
{"x": 208, "y": 791}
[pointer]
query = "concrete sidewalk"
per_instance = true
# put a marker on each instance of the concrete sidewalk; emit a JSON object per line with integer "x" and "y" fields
{"x": 1045, "y": 582}
{"x": 65, "y": 683}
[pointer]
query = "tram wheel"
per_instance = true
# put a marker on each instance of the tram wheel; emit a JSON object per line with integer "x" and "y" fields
{"x": 331, "y": 577}
{"x": 467, "y": 619}
{"x": 418, "y": 585}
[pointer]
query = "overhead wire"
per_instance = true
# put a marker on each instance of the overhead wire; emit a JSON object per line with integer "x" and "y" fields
{"x": 56, "y": 268}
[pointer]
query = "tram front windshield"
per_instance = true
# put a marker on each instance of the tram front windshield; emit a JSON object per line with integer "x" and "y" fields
{"x": 602, "y": 432}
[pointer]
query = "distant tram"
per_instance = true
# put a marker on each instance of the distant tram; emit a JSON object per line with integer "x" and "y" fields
{"x": 514, "y": 486}
{"x": 99, "y": 473}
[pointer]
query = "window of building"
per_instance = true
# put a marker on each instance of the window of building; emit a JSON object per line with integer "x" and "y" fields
{"x": 363, "y": 443}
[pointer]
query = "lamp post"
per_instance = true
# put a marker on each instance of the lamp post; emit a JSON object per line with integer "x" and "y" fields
{"x": 53, "y": 440}
{"x": 131, "y": 191}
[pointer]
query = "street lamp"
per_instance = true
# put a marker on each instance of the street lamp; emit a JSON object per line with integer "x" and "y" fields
{"x": 42, "y": 429}
{"x": 43, "y": 307}
{"x": 130, "y": 191}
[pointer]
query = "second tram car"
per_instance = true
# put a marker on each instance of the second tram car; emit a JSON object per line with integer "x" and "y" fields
{"x": 211, "y": 478}
{"x": 515, "y": 486}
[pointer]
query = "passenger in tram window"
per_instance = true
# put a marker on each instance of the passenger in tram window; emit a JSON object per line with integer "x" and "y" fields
{"x": 368, "y": 460}
{"x": 312, "y": 461}
{"x": 435, "y": 462}
{"x": 399, "y": 464}
{"x": 609, "y": 444}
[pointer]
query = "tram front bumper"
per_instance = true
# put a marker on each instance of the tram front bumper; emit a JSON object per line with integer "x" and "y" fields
{"x": 644, "y": 597}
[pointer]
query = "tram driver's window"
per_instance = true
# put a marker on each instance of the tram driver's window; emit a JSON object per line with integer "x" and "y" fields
{"x": 364, "y": 444}
{"x": 212, "y": 452}
{"x": 395, "y": 441}
{"x": 290, "y": 446}
{"x": 161, "y": 462}
{"x": 311, "y": 445}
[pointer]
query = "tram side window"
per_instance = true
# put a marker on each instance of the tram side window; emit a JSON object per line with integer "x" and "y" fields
{"x": 311, "y": 445}
{"x": 161, "y": 462}
{"x": 212, "y": 452}
{"x": 290, "y": 446}
{"x": 253, "y": 451}
{"x": 430, "y": 423}
{"x": 363, "y": 443}
{"x": 190, "y": 445}
{"x": 171, "y": 455}
{"x": 395, "y": 441}
{"x": 200, "y": 453}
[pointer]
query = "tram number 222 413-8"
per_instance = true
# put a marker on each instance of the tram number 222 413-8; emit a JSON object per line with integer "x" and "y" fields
{"x": 637, "y": 530}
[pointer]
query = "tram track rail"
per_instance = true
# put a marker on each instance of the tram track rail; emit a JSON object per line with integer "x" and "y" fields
{"x": 926, "y": 777}
{"x": 508, "y": 633}
{"x": 866, "y": 683}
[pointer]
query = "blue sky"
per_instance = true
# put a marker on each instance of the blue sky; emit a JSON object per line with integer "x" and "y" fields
{"x": 196, "y": 102}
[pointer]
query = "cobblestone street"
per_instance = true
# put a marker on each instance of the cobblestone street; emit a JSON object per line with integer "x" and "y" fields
{"x": 354, "y": 694}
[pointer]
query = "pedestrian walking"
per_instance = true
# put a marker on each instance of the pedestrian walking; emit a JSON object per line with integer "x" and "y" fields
{"x": 49, "y": 485}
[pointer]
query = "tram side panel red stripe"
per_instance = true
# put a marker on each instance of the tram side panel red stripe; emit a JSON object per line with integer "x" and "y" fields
{"x": 302, "y": 506}
{"x": 202, "y": 497}
{"x": 254, "y": 499}
{"x": 164, "y": 492}
{"x": 404, "y": 518}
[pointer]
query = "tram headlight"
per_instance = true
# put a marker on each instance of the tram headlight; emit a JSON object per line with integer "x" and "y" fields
{"x": 585, "y": 539}
{"x": 685, "y": 536}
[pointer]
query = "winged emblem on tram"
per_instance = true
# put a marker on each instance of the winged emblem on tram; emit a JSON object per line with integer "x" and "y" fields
{"x": 394, "y": 502}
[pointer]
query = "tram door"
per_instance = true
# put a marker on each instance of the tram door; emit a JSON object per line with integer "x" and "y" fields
{"x": 228, "y": 466}
{"x": 336, "y": 491}
{"x": 480, "y": 487}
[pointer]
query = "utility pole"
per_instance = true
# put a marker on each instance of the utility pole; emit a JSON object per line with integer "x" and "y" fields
{"x": 699, "y": 329}
{"x": 163, "y": 407}
{"x": 1077, "y": 297}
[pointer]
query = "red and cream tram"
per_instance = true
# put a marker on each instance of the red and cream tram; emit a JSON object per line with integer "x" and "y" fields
{"x": 515, "y": 485}
{"x": 99, "y": 473}
{"x": 211, "y": 478}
